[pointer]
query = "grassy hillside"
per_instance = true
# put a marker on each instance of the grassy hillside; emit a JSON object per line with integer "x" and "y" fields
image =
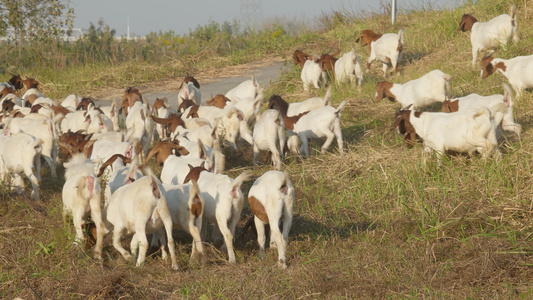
{"x": 372, "y": 223}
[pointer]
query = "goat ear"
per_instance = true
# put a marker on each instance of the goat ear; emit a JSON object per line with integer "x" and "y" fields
{"x": 203, "y": 164}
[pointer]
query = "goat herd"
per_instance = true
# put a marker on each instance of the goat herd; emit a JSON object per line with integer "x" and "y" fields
{"x": 109, "y": 146}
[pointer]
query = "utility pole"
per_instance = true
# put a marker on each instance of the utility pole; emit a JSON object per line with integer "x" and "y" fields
{"x": 128, "y": 29}
{"x": 393, "y": 11}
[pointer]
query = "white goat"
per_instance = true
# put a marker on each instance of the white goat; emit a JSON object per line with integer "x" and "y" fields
{"x": 490, "y": 34}
{"x": 269, "y": 134}
{"x": 230, "y": 122}
{"x": 313, "y": 75}
{"x": 386, "y": 48}
{"x": 139, "y": 208}
{"x": 319, "y": 123}
{"x": 189, "y": 91}
{"x": 474, "y": 101}
{"x": 246, "y": 89}
{"x": 463, "y": 132}
{"x": 426, "y": 90}
{"x": 186, "y": 206}
{"x": 250, "y": 107}
{"x": 81, "y": 198}
{"x": 296, "y": 108}
{"x": 348, "y": 68}
{"x": 271, "y": 199}
{"x": 44, "y": 130}
{"x": 517, "y": 71}
{"x": 21, "y": 153}
{"x": 223, "y": 202}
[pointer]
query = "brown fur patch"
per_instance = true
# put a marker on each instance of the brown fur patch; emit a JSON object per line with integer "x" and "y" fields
{"x": 218, "y": 101}
{"x": 31, "y": 98}
{"x": 449, "y": 106}
{"x": 258, "y": 209}
{"x": 383, "y": 91}
{"x": 290, "y": 121}
{"x": 84, "y": 104}
{"x": 30, "y": 83}
{"x": 193, "y": 113}
{"x": 196, "y": 207}
{"x": 299, "y": 57}
{"x": 190, "y": 78}
{"x": 367, "y": 37}
{"x": 58, "y": 109}
{"x": 467, "y": 21}
{"x": 194, "y": 173}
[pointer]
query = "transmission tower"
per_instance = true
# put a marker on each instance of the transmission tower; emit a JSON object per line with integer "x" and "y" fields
{"x": 251, "y": 13}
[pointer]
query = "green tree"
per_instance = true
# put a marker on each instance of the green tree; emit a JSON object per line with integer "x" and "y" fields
{"x": 35, "y": 19}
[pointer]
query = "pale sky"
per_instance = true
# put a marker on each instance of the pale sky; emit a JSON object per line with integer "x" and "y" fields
{"x": 182, "y": 16}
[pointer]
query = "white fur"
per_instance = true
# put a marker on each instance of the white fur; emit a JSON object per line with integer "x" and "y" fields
{"x": 275, "y": 192}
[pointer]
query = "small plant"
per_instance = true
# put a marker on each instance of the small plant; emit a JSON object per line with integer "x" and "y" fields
{"x": 45, "y": 249}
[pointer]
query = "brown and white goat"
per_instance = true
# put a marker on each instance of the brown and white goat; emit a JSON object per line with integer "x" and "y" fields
{"x": 386, "y": 48}
{"x": 271, "y": 199}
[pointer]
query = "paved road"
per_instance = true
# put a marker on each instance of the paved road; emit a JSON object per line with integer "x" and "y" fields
{"x": 264, "y": 75}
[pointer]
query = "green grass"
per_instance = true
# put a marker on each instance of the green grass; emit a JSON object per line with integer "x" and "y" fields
{"x": 372, "y": 223}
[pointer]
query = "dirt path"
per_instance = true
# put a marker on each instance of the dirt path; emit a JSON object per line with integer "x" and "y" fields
{"x": 210, "y": 83}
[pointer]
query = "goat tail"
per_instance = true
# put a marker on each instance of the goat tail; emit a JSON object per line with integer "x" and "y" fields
{"x": 37, "y": 145}
{"x": 245, "y": 176}
{"x": 286, "y": 182}
{"x": 507, "y": 95}
{"x": 340, "y": 108}
{"x": 196, "y": 201}
{"x": 400, "y": 36}
{"x": 512, "y": 12}
{"x": 329, "y": 95}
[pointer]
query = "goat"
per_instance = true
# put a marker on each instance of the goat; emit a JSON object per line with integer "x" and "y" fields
{"x": 490, "y": 34}
{"x": 219, "y": 101}
{"x": 475, "y": 101}
{"x": 299, "y": 57}
{"x": 32, "y": 88}
{"x": 296, "y": 108}
{"x": 250, "y": 107}
{"x": 271, "y": 199}
{"x": 186, "y": 206}
{"x": 124, "y": 171}
{"x": 231, "y": 122}
{"x": 139, "y": 208}
{"x": 42, "y": 129}
{"x": 327, "y": 62}
{"x": 160, "y": 109}
{"x": 386, "y": 48}
{"x": 319, "y": 123}
{"x": 460, "y": 131}
{"x": 190, "y": 92}
{"x": 517, "y": 70}
{"x": 426, "y": 90}
{"x": 246, "y": 89}
{"x": 81, "y": 196}
{"x": 131, "y": 95}
{"x": 269, "y": 135}
{"x": 223, "y": 200}
{"x": 21, "y": 153}
{"x": 163, "y": 149}
{"x": 348, "y": 68}
{"x": 312, "y": 74}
